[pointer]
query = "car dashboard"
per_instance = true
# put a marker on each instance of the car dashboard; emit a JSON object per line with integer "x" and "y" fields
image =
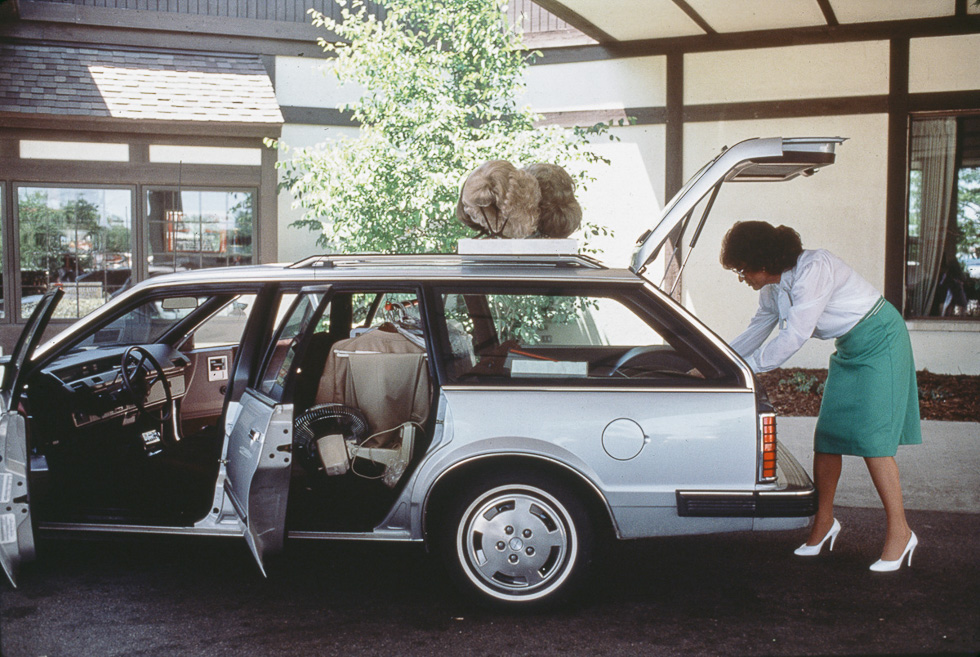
{"x": 90, "y": 386}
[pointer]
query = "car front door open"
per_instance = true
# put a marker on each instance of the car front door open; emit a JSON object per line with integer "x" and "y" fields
{"x": 16, "y": 534}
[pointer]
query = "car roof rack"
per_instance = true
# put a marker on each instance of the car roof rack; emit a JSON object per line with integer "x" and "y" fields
{"x": 396, "y": 260}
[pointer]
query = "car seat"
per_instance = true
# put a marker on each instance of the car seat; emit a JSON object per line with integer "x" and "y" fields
{"x": 384, "y": 375}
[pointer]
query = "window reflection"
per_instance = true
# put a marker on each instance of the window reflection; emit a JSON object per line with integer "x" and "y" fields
{"x": 77, "y": 239}
{"x": 942, "y": 273}
{"x": 194, "y": 229}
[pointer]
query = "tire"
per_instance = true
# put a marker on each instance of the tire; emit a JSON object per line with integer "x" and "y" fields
{"x": 517, "y": 541}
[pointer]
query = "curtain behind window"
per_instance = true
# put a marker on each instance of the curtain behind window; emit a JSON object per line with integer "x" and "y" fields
{"x": 934, "y": 158}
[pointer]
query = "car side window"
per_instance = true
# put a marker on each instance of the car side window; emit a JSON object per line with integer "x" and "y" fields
{"x": 291, "y": 326}
{"x": 553, "y": 336}
{"x": 371, "y": 310}
{"x": 222, "y": 329}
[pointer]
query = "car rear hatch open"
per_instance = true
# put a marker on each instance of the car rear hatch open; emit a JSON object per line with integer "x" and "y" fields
{"x": 773, "y": 159}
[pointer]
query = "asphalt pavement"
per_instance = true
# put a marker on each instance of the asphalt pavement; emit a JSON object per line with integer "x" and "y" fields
{"x": 734, "y": 594}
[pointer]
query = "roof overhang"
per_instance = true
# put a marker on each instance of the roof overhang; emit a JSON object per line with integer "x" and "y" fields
{"x": 136, "y": 89}
{"x": 626, "y": 21}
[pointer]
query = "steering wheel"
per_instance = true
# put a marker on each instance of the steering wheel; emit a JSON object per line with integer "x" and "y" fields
{"x": 630, "y": 355}
{"x": 137, "y": 364}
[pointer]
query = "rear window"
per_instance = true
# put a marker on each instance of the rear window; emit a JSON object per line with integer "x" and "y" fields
{"x": 590, "y": 338}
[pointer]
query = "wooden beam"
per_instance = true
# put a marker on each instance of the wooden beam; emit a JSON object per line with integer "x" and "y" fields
{"x": 576, "y": 20}
{"x": 674, "y": 138}
{"x": 896, "y": 203}
{"x": 945, "y": 101}
{"x": 695, "y": 16}
{"x": 138, "y": 126}
{"x": 828, "y": 13}
{"x": 753, "y": 40}
{"x": 674, "y": 163}
{"x": 784, "y": 109}
{"x": 317, "y": 116}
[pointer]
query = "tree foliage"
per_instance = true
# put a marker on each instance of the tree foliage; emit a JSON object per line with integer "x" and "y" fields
{"x": 440, "y": 82}
{"x": 968, "y": 213}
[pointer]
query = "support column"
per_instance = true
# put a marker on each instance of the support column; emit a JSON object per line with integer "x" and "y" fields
{"x": 674, "y": 155}
{"x": 896, "y": 204}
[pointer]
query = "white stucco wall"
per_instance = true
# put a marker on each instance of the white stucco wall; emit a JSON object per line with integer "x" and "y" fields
{"x": 305, "y": 82}
{"x": 605, "y": 84}
{"x": 944, "y": 64}
{"x": 297, "y": 243}
{"x": 842, "y": 208}
{"x": 626, "y": 195}
{"x": 794, "y": 72}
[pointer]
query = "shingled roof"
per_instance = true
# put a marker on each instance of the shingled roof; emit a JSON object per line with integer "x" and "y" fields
{"x": 130, "y": 84}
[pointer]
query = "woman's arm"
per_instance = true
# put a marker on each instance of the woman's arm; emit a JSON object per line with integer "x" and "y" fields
{"x": 809, "y": 296}
{"x": 764, "y": 320}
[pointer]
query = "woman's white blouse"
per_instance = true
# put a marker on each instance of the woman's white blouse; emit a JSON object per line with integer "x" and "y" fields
{"x": 821, "y": 297}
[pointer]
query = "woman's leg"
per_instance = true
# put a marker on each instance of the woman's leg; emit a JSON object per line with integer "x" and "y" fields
{"x": 884, "y": 474}
{"x": 826, "y": 474}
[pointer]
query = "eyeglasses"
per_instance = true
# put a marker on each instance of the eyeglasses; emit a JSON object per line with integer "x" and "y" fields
{"x": 740, "y": 273}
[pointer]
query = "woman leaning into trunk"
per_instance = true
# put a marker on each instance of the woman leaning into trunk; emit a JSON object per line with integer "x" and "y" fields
{"x": 870, "y": 401}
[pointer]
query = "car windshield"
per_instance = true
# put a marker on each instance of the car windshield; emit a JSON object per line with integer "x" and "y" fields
{"x": 144, "y": 324}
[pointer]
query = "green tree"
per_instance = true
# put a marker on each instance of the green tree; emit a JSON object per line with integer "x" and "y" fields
{"x": 440, "y": 80}
{"x": 968, "y": 213}
{"x": 42, "y": 230}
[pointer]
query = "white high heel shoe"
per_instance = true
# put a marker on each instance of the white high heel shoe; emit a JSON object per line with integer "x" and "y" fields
{"x": 813, "y": 550}
{"x": 882, "y": 566}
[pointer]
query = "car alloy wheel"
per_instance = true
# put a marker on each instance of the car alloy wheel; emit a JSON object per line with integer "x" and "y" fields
{"x": 521, "y": 543}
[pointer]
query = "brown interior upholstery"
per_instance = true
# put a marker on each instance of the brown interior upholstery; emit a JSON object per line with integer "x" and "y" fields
{"x": 381, "y": 373}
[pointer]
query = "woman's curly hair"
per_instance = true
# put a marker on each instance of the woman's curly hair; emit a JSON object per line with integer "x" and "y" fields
{"x": 760, "y": 246}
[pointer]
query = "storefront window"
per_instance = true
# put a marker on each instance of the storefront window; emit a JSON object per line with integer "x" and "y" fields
{"x": 942, "y": 272}
{"x": 77, "y": 239}
{"x": 194, "y": 229}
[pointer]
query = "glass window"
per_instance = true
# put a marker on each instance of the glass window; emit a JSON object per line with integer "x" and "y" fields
{"x": 282, "y": 351}
{"x": 374, "y": 309}
{"x": 205, "y": 155}
{"x": 570, "y": 337}
{"x": 224, "y": 328}
{"x": 76, "y": 239}
{"x": 74, "y": 150}
{"x": 145, "y": 323}
{"x": 195, "y": 229}
{"x": 942, "y": 272}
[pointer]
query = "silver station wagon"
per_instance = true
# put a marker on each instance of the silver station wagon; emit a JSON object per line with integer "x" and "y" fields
{"x": 510, "y": 410}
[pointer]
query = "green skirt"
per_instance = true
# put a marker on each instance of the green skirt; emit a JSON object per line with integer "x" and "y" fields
{"x": 870, "y": 401}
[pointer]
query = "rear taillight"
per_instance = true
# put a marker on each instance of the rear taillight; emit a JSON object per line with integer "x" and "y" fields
{"x": 767, "y": 447}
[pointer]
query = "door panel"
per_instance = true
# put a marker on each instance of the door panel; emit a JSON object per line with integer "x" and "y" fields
{"x": 207, "y": 384}
{"x": 260, "y": 444}
{"x": 258, "y": 471}
{"x": 16, "y": 537}
{"x": 16, "y": 533}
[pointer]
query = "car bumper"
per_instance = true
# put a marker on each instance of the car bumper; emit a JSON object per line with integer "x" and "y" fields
{"x": 793, "y": 496}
